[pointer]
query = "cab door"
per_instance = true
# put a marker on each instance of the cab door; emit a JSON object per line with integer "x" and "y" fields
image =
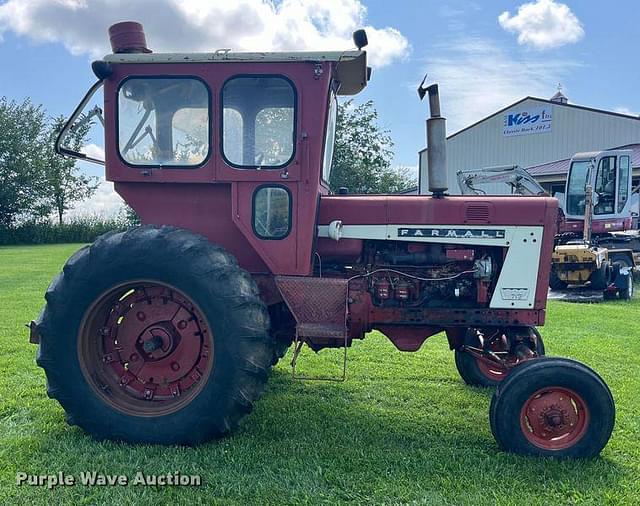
{"x": 270, "y": 148}
{"x": 612, "y": 185}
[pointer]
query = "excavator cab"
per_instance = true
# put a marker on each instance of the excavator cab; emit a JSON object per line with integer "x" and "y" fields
{"x": 609, "y": 175}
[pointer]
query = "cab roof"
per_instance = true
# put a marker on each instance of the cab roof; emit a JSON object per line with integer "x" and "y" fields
{"x": 351, "y": 66}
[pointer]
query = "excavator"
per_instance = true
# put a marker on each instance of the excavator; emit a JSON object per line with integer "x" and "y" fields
{"x": 598, "y": 243}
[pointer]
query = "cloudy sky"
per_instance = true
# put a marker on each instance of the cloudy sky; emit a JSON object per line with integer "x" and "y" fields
{"x": 485, "y": 54}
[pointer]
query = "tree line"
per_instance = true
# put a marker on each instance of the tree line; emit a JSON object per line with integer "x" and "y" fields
{"x": 37, "y": 183}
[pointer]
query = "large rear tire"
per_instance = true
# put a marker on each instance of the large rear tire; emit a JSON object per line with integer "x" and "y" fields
{"x": 552, "y": 407}
{"x": 154, "y": 335}
{"x": 476, "y": 372}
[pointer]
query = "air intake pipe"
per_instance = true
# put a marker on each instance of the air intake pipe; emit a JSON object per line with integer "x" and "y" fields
{"x": 128, "y": 37}
{"x": 436, "y": 145}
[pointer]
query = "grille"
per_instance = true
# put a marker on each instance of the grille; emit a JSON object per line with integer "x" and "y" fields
{"x": 477, "y": 213}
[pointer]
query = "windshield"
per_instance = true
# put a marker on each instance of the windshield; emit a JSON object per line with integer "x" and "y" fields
{"x": 576, "y": 187}
{"x": 163, "y": 121}
{"x": 258, "y": 122}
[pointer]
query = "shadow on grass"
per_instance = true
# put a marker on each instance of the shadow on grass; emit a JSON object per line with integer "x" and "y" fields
{"x": 306, "y": 439}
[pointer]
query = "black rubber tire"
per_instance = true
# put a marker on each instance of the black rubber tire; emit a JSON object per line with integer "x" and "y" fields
{"x": 555, "y": 283}
{"x": 532, "y": 375}
{"x": 621, "y": 259}
{"x": 600, "y": 277}
{"x": 283, "y": 329}
{"x": 467, "y": 365}
{"x": 280, "y": 348}
{"x": 627, "y": 292}
{"x": 206, "y": 273}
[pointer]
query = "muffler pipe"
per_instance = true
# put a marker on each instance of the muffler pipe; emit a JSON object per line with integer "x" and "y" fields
{"x": 436, "y": 145}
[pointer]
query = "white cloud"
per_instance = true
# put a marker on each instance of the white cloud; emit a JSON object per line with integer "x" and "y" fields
{"x": 543, "y": 24}
{"x": 478, "y": 78}
{"x": 626, "y": 110}
{"x": 105, "y": 202}
{"x": 204, "y": 25}
{"x": 94, "y": 151}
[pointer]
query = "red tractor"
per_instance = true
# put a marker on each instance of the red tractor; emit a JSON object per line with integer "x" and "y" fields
{"x": 166, "y": 333}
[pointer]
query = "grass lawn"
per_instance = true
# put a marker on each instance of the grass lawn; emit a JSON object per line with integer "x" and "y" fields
{"x": 403, "y": 428}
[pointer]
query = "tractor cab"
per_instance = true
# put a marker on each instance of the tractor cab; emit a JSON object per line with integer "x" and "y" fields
{"x": 234, "y": 146}
{"x": 608, "y": 173}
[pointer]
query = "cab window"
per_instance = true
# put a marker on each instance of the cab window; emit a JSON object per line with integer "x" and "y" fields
{"x": 258, "y": 121}
{"x": 272, "y": 212}
{"x": 163, "y": 121}
{"x": 330, "y": 139}
{"x": 623, "y": 183}
{"x": 605, "y": 186}
{"x": 575, "y": 187}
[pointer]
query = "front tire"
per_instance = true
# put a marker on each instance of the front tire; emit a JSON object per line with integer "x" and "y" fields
{"x": 626, "y": 293}
{"x": 476, "y": 372}
{"x": 555, "y": 283}
{"x": 154, "y": 335}
{"x": 600, "y": 278}
{"x": 552, "y": 407}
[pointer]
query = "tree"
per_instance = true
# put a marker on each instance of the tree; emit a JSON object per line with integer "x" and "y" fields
{"x": 363, "y": 153}
{"x": 65, "y": 183}
{"x": 21, "y": 161}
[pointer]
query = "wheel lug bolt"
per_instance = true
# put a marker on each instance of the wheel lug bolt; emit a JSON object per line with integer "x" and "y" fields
{"x": 133, "y": 357}
{"x": 175, "y": 366}
{"x": 141, "y": 316}
{"x": 182, "y": 324}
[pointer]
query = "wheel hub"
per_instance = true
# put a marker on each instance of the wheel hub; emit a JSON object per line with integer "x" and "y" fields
{"x": 158, "y": 341}
{"x": 155, "y": 348}
{"x": 554, "y": 418}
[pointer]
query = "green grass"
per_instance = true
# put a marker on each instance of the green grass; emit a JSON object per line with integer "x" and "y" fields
{"x": 402, "y": 429}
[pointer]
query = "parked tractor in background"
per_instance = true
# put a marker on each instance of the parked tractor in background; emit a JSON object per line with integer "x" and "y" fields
{"x": 165, "y": 333}
{"x": 596, "y": 242}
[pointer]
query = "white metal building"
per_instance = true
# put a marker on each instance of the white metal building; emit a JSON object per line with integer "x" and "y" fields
{"x": 533, "y": 132}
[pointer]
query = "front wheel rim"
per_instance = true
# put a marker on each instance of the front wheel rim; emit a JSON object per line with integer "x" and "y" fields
{"x": 145, "y": 348}
{"x": 554, "y": 418}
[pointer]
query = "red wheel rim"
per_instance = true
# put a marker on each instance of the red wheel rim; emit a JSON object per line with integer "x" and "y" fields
{"x": 145, "y": 348}
{"x": 493, "y": 370}
{"x": 554, "y": 418}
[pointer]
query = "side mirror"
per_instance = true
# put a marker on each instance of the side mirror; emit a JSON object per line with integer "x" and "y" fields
{"x": 360, "y": 38}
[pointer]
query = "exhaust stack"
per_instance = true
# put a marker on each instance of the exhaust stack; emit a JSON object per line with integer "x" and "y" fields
{"x": 436, "y": 145}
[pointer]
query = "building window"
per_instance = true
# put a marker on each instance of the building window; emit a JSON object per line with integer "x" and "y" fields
{"x": 272, "y": 212}
{"x": 163, "y": 121}
{"x": 258, "y": 121}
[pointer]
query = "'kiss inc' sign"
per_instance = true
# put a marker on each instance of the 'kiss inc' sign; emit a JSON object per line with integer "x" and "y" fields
{"x": 535, "y": 120}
